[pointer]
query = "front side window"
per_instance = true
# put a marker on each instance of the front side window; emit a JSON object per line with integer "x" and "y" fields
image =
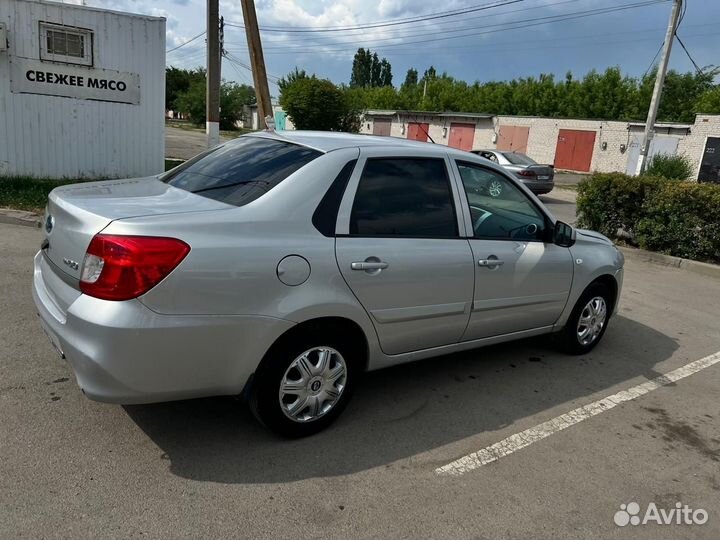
{"x": 409, "y": 197}
{"x": 498, "y": 208}
{"x": 67, "y": 44}
{"x": 242, "y": 170}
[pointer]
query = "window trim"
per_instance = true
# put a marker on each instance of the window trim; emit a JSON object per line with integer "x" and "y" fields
{"x": 342, "y": 227}
{"x": 470, "y": 232}
{"x": 89, "y": 44}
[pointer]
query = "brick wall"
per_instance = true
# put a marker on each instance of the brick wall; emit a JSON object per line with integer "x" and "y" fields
{"x": 543, "y": 135}
{"x": 693, "y": 145}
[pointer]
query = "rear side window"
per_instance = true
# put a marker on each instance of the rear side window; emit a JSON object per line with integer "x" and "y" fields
{"x": 242, "y": 170}
{"x": 404, "y": 197}
{"x": 325, "y": 215}
{"x": 518, "y": 159}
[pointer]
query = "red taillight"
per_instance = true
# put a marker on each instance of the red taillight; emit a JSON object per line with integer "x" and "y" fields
{"x": 124, "y": 267}
{"x": 525, "y": 172}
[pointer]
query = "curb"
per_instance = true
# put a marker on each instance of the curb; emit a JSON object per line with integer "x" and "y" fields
{"x": 697, "y": 267}
{"x": 20, "y": 217}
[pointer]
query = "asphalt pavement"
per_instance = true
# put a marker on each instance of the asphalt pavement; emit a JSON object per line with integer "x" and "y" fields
{"x": 73, "y": 468}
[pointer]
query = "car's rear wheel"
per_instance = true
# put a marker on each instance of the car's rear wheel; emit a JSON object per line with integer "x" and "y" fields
{"x": 304, "y": 385}
{"x": 588, "y": 321}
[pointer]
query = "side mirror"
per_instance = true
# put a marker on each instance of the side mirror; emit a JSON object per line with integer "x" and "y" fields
{"x": 563, "y": 234}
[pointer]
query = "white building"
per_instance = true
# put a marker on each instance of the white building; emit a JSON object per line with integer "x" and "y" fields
{"x": 82, "y": 91}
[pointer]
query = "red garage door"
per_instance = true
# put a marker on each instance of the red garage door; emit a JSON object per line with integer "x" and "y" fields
{"x": 462, "y": 135}
{"x": 513, "y": 138}
{"x": 381, "y": 126}
{"x": 418, "y": 131}
{"x": 574, "y": 150}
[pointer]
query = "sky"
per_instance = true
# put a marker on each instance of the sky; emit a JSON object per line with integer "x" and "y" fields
{"x": 493, "y": 40}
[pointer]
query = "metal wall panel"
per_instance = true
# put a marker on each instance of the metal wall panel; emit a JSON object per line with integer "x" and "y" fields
{"x": 381, "y": 126}
{"x": 418, "y": 131}
{"x": 513, "y": 138}
{"x": 53, "y": 136}
{"x": 574, "y": 150}
{"x": 462, "y": 135}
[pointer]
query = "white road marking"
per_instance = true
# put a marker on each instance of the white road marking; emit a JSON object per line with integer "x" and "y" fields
{"x": 534, "y": 434}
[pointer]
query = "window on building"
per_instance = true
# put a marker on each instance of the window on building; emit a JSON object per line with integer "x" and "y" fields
{"x": 65, "y": 44}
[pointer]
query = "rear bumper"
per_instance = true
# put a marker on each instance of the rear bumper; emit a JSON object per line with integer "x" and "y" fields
{"x": 539, "y": 187}
{"x": 122, "y": 352}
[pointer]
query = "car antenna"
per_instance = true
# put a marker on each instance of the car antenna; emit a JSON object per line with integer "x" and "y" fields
{"x": 425, "y": 130}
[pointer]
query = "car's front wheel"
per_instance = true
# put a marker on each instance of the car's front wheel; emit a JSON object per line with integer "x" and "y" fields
{"x": 588, "y": 321}
{"x": 304, "y": 385}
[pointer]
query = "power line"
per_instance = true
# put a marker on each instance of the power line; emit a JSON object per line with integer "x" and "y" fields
{"x": 652, "y": 62}
{"x": 682, "y": 16}
{"x": 392, "y": 35}
{"x": 384, "y": 24}
{"x": 500, "y": 27}
{"x": 697, "y": 68}
{"x": 188, "y": 41}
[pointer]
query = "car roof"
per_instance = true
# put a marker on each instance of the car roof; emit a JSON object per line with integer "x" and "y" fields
{"x": 327, "y": 141}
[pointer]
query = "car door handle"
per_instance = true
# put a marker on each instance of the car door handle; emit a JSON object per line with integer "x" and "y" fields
{"x": 369, "y": 265}
{"x": 490, "y": 263}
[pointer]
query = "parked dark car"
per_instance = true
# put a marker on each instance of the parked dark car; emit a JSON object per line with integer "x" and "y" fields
{"x": 538, "y": 178}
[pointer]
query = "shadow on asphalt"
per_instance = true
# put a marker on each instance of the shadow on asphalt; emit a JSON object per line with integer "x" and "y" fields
{"x": 401, "y": 411}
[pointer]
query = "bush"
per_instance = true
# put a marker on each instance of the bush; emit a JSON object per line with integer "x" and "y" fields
{"x": 677, "y": 218}
{"x": 682, "y": 219}
{"x": 613, "y": 202}
{"x": 313, "y": 103}
{"x": 672, "y": 167}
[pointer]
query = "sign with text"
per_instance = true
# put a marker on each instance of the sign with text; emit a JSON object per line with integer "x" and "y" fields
{"x": 34, "y": 77}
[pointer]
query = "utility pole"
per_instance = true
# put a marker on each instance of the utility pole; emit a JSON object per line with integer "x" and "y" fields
{"x": 657, "y": 91}
{"x": 212, "y": 101}
{"x": 257, "y": 61}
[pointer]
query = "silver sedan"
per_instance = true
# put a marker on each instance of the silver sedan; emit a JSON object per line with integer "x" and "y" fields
{"x": 281, "y": 266}
{"x": 539, "y": 179}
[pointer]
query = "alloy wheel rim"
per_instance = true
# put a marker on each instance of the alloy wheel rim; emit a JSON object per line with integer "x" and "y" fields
{"x": 592, "y": 320}
{"x": 495, "y": 189}
{"x": 312, "y": 384}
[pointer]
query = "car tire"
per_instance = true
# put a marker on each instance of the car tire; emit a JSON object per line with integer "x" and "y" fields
{"x": 594, "y": 308}
{"x": 283, "y": 411}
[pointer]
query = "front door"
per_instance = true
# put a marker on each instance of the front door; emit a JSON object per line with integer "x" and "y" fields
{"x": 522, "y": 282}
{"x": 400, "y": 251}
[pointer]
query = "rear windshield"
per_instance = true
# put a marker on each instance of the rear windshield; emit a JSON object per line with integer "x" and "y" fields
{"x": 240, "y": 171}
{"x": 518, "y": 159}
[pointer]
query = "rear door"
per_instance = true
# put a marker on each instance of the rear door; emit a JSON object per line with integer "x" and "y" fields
{"x": 400, "y": 250}
{"x": 522, "y": 282}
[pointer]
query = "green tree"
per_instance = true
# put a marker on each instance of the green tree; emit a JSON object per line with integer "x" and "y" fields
{"x": 411, "y": 79}
{"x": 178, "y": 81}
{"x": 368, "y": 70}
{"x": 233, "y": 98}
{"x": 313, "y": 103}
{"x": 361, "y": 68}
{"x": 709, "y": 102}
{"x": 291, "y": 77}
{"x": 385, "y": 73}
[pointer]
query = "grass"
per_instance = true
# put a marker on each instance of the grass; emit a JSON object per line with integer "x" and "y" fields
{"x": 27, "y": 193}
{"x": 172, "y": 163}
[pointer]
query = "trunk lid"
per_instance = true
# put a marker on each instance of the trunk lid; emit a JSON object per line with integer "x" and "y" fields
{"x": 544, "y": 173}
{"x": 77, "y": 212}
